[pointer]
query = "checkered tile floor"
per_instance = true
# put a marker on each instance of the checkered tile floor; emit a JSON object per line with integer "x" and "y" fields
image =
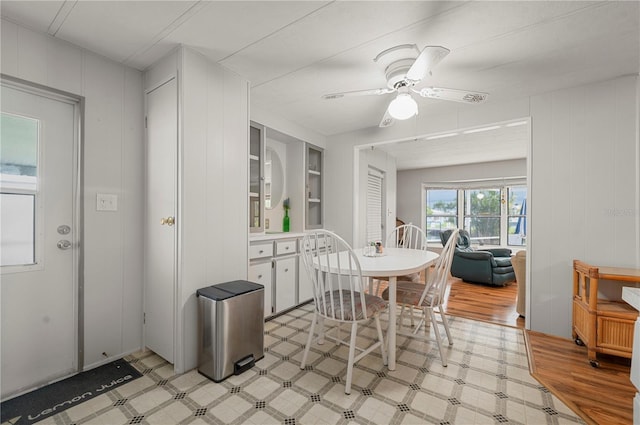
{"x": 487, "y": 382}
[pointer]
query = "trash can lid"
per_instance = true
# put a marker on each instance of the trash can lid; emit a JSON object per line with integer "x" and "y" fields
{"x": 222, "y": 291}
{"x": 214, "y": 293}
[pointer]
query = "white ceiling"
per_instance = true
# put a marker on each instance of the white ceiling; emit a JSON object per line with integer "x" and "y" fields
{"x": 496, "y": 142}
{"x": 293, "y": 52}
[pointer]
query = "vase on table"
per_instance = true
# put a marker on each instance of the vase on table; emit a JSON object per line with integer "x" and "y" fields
{"x": 285, "y": 221}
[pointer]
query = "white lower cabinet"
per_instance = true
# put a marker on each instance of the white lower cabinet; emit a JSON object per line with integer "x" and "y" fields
{"x": 305, "y": 287}
{"x": 261, "y": 273}
{"x": 285, "y": 279}
{"x": 276, "y": 264}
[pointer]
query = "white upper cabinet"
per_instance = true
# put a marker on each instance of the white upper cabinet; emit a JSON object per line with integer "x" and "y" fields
{"x": 314, "y": 186}
{"x": 256, "y": 177}
{"x": 283, "y": 169}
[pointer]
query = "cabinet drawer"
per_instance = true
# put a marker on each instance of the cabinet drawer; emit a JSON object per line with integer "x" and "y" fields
{"x": 285, "y": 247}
{"x": 260, "y": 250}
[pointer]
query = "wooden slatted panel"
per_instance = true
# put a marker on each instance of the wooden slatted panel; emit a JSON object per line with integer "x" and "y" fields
{"x": 374, "y": 206}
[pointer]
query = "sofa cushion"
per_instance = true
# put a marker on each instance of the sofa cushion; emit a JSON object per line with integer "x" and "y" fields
{"x": 503, "y": 261}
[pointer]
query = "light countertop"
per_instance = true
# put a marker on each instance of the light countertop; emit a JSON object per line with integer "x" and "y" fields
{"x": 632, "y": 296}
{"x": 273, "y": 236}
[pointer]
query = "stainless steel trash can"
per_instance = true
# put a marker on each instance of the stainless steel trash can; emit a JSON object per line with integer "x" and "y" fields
{"x": 230, "y": 328}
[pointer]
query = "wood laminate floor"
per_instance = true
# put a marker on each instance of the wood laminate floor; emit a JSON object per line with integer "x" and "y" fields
{"x": 601, "y": 395}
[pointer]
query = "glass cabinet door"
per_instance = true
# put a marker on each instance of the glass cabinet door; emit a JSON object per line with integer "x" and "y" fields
{"x": 314, "y": 168}
{"x": 256, "y": 177}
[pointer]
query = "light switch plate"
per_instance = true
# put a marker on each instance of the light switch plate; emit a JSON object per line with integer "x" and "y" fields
{"x": 106, "y": 202}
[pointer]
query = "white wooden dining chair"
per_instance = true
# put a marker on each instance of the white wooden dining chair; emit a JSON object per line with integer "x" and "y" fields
{"x": 338, "y": 295}
{"x": 407, "y": 236}
{"x": 430, "y": 297}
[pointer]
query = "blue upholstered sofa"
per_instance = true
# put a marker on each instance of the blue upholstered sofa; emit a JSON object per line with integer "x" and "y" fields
{"x": 488, "y": 266}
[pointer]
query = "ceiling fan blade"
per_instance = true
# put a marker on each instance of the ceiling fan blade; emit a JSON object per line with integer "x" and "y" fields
{"x": 369, "y": 92}
{"x": 428, "y": 58}
{"x": 452, "y": 94}
{"x": 387, "y": 120}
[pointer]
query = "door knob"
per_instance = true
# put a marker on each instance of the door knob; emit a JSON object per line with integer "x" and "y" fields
{"x": 169, "y": 221}
{"x": 63, "y": 244}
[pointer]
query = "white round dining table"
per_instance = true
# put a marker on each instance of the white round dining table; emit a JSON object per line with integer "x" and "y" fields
{"x": 392, "y": 263}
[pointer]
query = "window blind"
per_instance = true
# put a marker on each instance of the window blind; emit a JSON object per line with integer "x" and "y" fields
{"x": 374, "y": 205}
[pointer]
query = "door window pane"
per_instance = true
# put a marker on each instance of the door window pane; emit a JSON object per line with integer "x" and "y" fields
{"x": 18, "y": 152}
{"x": 18, "y": 188}
{"x": 17, "y": 236}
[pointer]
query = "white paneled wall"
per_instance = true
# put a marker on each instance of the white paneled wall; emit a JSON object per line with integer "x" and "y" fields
{"x": 584, "y": 191}
{"x": 214, "y": 186}
{"x": 213, "y": 177}
{"x": 584, "y": 182}
{"x": 113, "y": 163}
{"x": 380, "y": 161}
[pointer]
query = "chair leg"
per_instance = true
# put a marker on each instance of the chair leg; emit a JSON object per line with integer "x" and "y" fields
{"x": 321, "y": 330}
{"x": 303, "y": 363}
{"x": 445, "y": 323}
{"x": 436, "y": 331}
{"x": 352, "y": 353}
{"x": 401, "y": 316}
{"x": 383, "y": 351}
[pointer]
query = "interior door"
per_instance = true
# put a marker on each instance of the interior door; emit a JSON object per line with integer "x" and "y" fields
{"x": 38, "y": 185}
{"x": 160, "y": 252}
{"x": 375, "y": 214}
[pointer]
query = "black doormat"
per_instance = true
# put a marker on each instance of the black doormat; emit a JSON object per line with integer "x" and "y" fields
{"x": 59, "y": 396}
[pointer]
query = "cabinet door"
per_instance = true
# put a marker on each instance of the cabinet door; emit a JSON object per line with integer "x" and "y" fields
{"x": 314, "y": 187}
{"x": 261, "y": 273}
{"x": 305, "y": 287}
{"x": 256, "y": 177}
{"x": 285, "y": 283}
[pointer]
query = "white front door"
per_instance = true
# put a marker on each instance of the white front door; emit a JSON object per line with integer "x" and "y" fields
{"x": 38, "y": 257}
{"x": 160, "y": 252}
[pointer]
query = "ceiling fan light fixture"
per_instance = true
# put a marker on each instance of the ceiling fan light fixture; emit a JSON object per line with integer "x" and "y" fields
{"x": 403, "y": 107}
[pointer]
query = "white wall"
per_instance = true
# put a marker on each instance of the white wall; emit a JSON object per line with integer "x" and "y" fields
{"x": 410, "y": 181}
{"x": 214, "y": 177}
{"x": 584, "y": 190}
{"x": 113, "y": 161}
{"x": 287, "y": 127}
{"x": 381, "y": 161}
{"x": 584, "y": 143}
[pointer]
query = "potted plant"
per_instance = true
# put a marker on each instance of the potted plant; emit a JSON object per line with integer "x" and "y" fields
{"x": 285, "y": 220}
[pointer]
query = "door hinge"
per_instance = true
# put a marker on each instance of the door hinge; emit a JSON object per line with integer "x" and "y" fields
{"x": 144, "y": 318}
{"x": 145, "y": 122}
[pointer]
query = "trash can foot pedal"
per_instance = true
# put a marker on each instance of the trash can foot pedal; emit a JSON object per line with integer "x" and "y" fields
{"x": 244, "y": 364}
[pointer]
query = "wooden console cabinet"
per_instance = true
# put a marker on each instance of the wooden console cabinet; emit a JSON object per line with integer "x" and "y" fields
{"x": 604, "y": 326}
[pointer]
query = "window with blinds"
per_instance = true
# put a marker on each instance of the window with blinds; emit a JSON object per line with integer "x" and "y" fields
{"x": 374, "y": 205}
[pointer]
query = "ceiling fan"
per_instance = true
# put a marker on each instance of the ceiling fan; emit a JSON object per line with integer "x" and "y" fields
{"x": 405, "y": 67}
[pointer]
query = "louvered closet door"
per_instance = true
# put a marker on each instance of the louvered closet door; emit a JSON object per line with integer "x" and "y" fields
{"x": 375, "y": 179}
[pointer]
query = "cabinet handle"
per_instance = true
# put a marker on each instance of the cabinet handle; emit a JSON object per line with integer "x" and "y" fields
{"x": 286, "y": 270}
{"x": 259, "y": 276}
{"x": 260, "y": 252}
{"x": 286, "y": 248}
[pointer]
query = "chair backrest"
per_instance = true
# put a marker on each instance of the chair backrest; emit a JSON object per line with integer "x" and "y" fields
{"x": 439, "y": 276}
{"x": 334, "y": 271}
{"x": 463, "y": 242}
{"x": 407, "y": 236}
